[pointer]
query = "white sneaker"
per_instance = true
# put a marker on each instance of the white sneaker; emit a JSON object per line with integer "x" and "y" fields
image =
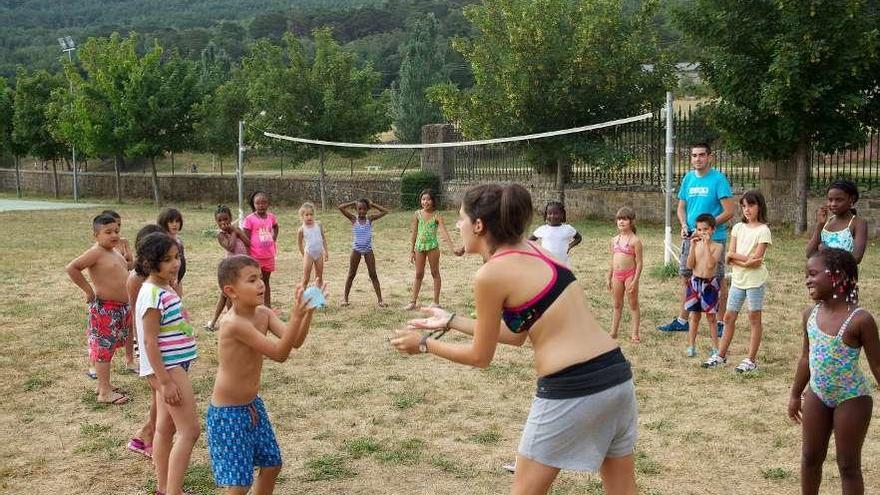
{"x": 714, "y": 361}
{"x": 509, "y": 467}
{"x": 746, "y": 366}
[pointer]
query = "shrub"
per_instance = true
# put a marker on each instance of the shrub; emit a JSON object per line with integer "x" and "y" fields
{"x": 412, "y": 184}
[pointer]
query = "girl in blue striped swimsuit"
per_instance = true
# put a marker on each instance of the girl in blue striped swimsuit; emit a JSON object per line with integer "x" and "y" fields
{"x": 362, "y": 231}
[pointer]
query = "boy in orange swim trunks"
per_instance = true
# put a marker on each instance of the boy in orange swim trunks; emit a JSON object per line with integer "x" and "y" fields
{"x": 109, "y": 314}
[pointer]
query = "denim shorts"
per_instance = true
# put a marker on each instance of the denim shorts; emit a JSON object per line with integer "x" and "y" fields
{"x": 755, "y": 296}
{"x": 684, "y": 271}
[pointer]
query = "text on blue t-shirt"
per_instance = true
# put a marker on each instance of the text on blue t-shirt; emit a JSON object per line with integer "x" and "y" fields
{"x": 704, "y": 195}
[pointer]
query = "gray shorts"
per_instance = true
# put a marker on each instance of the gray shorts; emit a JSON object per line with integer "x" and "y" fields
{"x": 684, "y": 271}
{"x": 578, "y": 434}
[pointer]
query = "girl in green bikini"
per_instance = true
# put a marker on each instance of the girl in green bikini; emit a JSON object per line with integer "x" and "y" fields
{"x": 425, "y": 246}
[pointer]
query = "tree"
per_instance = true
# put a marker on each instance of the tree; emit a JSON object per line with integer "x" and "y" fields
{"x": 217, "y": 117}
{"x": 214, "y": 68}
{"x": 160, "y": 104}
{"x": 30, "y": 131}
{"x": 6, "y": 112}
{"x": 326, "y": 98}
{"x": 101, "y": 113}
{"x": 424, "y": 59}
{"x": 790, "y": 75}
{"x": 271, "y": 25}
{"x": 544, "y": 65}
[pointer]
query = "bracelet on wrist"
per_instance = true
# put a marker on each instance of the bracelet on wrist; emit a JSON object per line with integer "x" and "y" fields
{"x": 449, "y": 322}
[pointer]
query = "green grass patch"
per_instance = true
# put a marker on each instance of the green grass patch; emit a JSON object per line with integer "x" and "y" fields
{"x": 776, "y": 473}
{"x": 37, "y": 382}
{"x": 407, "y": 452}
{"x": 645, "y": 465}
{"x": 328, "y": 467}
{"x": 92, "y": 429}
{"x": 451, "y": 466}
{"x": 362, "y": 447}
{"x": 490, "y": 436}
{"x": 198, "y": 480}
{"x": 407, "y": 400}
{"x": 665, "y": 271}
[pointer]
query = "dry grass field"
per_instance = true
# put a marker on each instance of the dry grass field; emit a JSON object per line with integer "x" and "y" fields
{"x": 353, "y": 416}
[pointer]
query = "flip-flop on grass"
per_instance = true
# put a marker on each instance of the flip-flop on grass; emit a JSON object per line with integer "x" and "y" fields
{"x": 117, "y": 400}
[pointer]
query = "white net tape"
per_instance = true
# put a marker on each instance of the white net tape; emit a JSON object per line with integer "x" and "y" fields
{"x": 511, "y": 139}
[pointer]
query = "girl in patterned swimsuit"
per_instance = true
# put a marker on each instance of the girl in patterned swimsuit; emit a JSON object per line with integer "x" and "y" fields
{"x": 425, "y": 246}
{"x": 362, "y": 244}
{"x": 843, "y": 230}
{"x": 626, "y": 268}
{"x": 838, "y": 398}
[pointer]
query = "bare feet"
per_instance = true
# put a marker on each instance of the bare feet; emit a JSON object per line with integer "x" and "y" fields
{"x": 383, "y": 304}
{"x": 345, "y": 303}
{"x": 635, "y": 339}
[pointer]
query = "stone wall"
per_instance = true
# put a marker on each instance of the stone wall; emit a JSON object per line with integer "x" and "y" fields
{"x": 211, "y": 189}
{"x": 649, "y": 205}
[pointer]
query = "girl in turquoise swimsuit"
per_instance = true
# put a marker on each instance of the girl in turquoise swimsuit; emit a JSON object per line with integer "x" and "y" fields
{"x": 425, "y": 246}
{"x": 838, "y": 398}
{"x": 842, "y": 229}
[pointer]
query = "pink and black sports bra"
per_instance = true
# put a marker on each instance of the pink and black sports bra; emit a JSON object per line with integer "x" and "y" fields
{"x": 522, "y": 317}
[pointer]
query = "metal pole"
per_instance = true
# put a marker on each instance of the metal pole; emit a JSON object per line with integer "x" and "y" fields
{"x": 240, "y": 170}
{"x": 72, "y": 145}
{"x": 321, "y": 178}
{"x": 670, "y": 149}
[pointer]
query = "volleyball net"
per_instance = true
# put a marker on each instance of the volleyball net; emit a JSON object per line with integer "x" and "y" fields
{"x": 620, "y": 152}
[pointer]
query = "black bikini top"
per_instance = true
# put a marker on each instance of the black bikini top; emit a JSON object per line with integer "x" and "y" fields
{"x": 522, "y": 317}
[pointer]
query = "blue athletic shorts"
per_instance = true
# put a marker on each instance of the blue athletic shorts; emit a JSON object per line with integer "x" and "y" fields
{"x": 240, "y": 438}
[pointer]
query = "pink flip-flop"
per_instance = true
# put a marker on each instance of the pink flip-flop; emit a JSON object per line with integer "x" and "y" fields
{"x": 138, "y": 445}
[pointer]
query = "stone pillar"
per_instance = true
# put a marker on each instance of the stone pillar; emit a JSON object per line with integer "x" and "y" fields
{"x": 778, "y": 184}
{"x": 437, "y": 160}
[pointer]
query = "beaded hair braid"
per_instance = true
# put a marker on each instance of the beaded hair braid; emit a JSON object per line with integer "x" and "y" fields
{"x": 844, "y": 272}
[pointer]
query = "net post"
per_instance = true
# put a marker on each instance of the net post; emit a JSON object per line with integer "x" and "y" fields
{"x": 321, "y": 178}
{"x": 240, "y": 171}
{"x": 670, "y": 149}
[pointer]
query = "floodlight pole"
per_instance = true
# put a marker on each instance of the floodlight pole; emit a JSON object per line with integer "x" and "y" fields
{"x": 240, "y": 170}
{"x": 68, "y": 46}
{"x": 670, "y": 149}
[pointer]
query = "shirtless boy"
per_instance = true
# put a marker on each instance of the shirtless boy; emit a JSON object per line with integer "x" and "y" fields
{"x": 701, "y": 295}
{"x": 109, "y": 314}
{"x": 240, "y": 436}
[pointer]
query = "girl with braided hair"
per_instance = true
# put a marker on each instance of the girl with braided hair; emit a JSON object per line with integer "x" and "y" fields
{"x": 838, "y": 398}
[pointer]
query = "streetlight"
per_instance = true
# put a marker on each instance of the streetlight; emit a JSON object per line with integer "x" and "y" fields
{"x": 68, "y": 46}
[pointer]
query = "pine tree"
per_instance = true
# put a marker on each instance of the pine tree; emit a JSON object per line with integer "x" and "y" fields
{"x": 424, "y": 60}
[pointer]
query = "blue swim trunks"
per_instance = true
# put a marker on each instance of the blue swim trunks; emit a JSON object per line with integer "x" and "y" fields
{"x": 240, "y": 438}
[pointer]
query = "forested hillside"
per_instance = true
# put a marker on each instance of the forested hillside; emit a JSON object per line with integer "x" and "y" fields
{"x": 373, "y": 29}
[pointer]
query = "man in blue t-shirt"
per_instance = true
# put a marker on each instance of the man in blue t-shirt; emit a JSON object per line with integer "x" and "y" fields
{"x": 702, "y": 190}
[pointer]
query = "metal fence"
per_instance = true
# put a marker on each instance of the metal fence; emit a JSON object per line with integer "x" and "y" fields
{"x": 636, "y": 159}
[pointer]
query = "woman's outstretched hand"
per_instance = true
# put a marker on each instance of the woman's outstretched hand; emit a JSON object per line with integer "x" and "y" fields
{"x": 436, "y": 320}
{"x": 407, "y": 340}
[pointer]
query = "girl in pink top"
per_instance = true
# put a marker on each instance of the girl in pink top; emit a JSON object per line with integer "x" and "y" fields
{"x": 234, "y": 241}
{"x": 626, "y": 269}
{"x": 261, "y": 228}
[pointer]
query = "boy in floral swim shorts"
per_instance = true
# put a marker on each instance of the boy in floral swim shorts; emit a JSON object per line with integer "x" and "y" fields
{"x": 109, "y": 314}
